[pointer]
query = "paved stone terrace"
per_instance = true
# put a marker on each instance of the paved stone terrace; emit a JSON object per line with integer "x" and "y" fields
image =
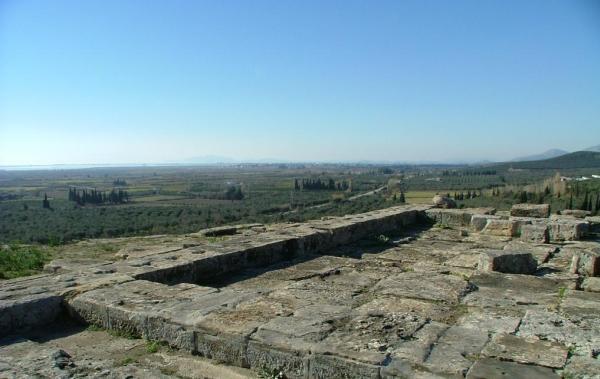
{"x": 326, "y": 300}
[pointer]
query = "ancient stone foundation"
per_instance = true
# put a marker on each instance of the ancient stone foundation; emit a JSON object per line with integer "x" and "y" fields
{"x": 376, "y": 295}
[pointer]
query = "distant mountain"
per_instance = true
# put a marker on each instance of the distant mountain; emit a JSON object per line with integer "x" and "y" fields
{"x": 552, "y": 153}
{"x": 593, "y": 148}
{"x": 578, "y": 159}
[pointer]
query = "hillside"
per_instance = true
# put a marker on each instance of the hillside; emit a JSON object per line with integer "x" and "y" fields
{"x": 578, "y": 159}
{"x": 552, "y": 153}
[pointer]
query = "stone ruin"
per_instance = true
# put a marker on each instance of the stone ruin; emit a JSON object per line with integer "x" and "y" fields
{"x": 403, "y": 292}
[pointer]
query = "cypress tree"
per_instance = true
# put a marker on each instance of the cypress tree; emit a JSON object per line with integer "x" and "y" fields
{"x": 584, "y": 203}
{"x": 45, "y": 202}
{"x": 570, "y": 206}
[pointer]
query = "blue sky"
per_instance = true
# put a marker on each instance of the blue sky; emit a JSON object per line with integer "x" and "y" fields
{"x": 163, "y": 81}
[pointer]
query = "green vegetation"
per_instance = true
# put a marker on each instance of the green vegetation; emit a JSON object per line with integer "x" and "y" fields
{"x": 152, "y": 347}
{"x": 44, "y": 212}
{"x": 18, "y": 260}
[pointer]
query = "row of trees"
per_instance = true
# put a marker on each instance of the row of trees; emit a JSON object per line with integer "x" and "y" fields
{"x": 587, "y": 204}
{"x": 318, "y": 184}
{"x": 468, "y": 172}
{"x": 84, "y": 196}
{"x": 468, "y": 195}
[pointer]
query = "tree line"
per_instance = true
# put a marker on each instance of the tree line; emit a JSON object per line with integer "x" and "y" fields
{"x": 468, "y": 172}
{"x": 93, "y": 196}
{"x": 318, "y": 184}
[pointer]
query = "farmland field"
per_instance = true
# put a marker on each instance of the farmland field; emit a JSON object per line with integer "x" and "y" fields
{"x": 169, "y": 200}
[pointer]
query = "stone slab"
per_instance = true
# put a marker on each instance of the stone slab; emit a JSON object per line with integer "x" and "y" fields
{"x": 492, "y": 368}
{"x": 508, "y": 347}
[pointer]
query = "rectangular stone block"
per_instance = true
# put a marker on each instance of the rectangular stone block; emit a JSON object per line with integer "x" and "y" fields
{"x": 586, "y": 263}
{"x": 329, "y": 366}
{"x": 535, "y": 233}
{"x": 456, "y": 217}
{"x": 511, "y": 262}
{"x": 230, "y": 349}
{"x": 293, "y": 363}
{"x": 567, "y": 229}
{"x": 478, "y": 222}
{"x": 493, "y": 368}
{"x": 28, "y": 312}
{"x": 530, "y": 210}
{"x": 508, "y": 347}
{"x": 500, "y": 228}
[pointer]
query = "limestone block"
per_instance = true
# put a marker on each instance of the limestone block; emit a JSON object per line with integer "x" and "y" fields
{"x": 478, "y": 222}
{"x": 591, "y": 284}
{"x": 443, "y": 202}
{"x": 509, "y": 347}
{"x": 535, "y": 233}
{"x": 567, "y": 229}
{"x": 586, "y": 262}
{"x": 511, "y": 262}
{"x": 577, "y": 213}
{"x": 500, "y": 228}
{"x": 434, "y": 287}
{"x": 29, "y": 311}
{"x": 530, "y": 210}
{"x": 449, "y": 354}
{"x": 329, "y": 366}
{"x": 493, "y": 368}
{"x": 456, "y": 217}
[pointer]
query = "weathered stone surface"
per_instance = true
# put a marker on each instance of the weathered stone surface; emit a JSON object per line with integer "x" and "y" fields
{"x": 447, "y": 288}
{"x": 530, "y": 210}
{"x": 591, "y": 284}
{"x": 443, "y": 202}
{"x": 514, "y": 293}
{"x": 490, "y": 321}
{"x": 567, "y": 229}
{"x": 586, "y": 262}
{"x": 492, "y": 368}
{"x": 456, "y": 217}
{"x": 501, "y": 228}
{"x": 478, "y": 222}
{"x": 226, "y": 230}
{"x": 29, "y": 311}
{"x": 511, "y": 262}
{"x": 330, "y": 366}
{"x": 580, "y": 335}
{"x": 456, "y": 350}
{"x": 535, "y": 233}
{"x": 315, "y": 300}
{"x": 508, "y": 347}
{"x": 577, "y": 213}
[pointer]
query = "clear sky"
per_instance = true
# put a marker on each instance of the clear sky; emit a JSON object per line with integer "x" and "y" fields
{"x": 161, "y": 81}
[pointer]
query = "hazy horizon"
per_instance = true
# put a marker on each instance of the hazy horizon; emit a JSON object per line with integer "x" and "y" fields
{"x": 129, "y": 82}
